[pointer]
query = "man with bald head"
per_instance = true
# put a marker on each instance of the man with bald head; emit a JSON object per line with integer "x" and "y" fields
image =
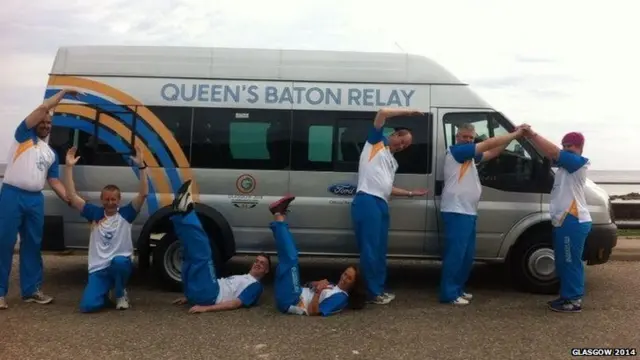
{"x": 31, "y": 162}
{"x": 369, "y": 209}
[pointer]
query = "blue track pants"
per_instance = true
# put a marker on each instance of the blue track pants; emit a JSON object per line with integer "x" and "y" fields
{"x": 21, "y": 212}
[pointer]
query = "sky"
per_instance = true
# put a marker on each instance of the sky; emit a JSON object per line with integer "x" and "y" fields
{"x": 557, "y": 65}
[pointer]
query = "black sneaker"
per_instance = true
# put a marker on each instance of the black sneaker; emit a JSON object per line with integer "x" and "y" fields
{"x": 566, "y": 306}
{"x": 183, "y": 201}
{"x": 281, "y": 206}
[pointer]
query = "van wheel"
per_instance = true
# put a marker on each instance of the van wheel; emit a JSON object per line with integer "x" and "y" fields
{"x": 167, "y": 262}
{"x": 532, "y": 264}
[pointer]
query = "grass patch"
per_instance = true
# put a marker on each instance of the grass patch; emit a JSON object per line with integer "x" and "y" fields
{"x": 629, "y": 232}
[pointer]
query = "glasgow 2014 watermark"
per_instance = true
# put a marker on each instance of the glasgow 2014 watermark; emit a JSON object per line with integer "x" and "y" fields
{"x": 604, "y": 352}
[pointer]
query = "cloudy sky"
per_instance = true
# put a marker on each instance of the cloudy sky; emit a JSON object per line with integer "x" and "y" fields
{"x": 559, "y": 65}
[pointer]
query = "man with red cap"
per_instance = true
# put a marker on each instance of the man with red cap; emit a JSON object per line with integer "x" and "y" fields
{"x": 569, "y": 215}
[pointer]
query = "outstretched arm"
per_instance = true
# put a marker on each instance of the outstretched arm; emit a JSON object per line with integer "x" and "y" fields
{"x": 498, "y": 142}
{"x": 385, "y": 113}
{"x": 223, "y": 306}
{"x": 58, "y": 187}
{"x": 38, "y": 114}
{"x": 73, "y": 199}
{"x": 396, "y": 191}
{"x": 495, "y": 152}
{"x": 549, "y": 149}
{"x": 480, "y": 151}
{"x": 144, "y": 184}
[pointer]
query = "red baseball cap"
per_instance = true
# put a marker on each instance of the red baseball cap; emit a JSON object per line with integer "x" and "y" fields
{"x": 573, "y": 138}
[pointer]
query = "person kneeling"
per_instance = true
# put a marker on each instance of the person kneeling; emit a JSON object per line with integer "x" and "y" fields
{"x": 319, "y": 298}
{"x": 110, "y": 245}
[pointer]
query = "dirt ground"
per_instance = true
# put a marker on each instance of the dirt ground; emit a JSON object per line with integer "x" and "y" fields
{"x": 499, "y": 324}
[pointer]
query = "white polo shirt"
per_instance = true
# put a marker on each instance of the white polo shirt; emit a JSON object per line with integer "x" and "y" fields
{"x": 378, "y": 167}
{"x": 567, "y": 196}
{"x": 31, "y": 161}
{"x": 332, "y": 300}
{"x": 110, "y": 235}
{"x": 462, "y": 188}
{"x": 244, "y": 287}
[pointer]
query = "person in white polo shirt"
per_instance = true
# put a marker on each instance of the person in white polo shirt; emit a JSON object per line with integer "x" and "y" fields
{"x": 570, "y": 216}
{"x": 459, "y": 207}
{"x": 203, "y": 290}
{"x": 369, "y": 209}
{"x": 31, "y": 162}
{"x": 110, "y": 244}
{"x": 318, "y": 298}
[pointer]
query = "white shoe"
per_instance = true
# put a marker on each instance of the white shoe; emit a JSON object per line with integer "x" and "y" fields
{"x": 380, "y": 300}
{"x": 389, "y": 296}
{"x": 183, "y": 201}
{"x": 3, "y": 303}
{"x": 460, "y": 301}
{"x": 467, "y": 296}
{"x": 122, "y": 303}
{"x": 39, "y": 298}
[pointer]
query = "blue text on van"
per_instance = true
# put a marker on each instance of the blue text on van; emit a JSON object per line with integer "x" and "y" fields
{"x": 217, "y": 93}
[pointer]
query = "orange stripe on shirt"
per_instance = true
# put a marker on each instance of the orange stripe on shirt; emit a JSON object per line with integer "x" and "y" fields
{"x": 375, "y": 149}
{"x": 463, "y": 169}
{"x": 22, "y": 148}
{"x": 573, "y": 210}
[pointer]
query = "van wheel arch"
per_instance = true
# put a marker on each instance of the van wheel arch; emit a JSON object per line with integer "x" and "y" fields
{"x": 531, "y": 261}
{"x": 218, "y": 230}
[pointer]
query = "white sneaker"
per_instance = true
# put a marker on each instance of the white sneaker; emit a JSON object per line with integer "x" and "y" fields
{"x": 390, "y": 296}
{"x": 39, "y": 298}
{"x": 183, "y": 201}
{"x": 3, "y": 303}
{"x": 460, "y": 301}
{"x": 380, "y": 300}
{"x": 122, "y": 303}
{"x": 467, "y": 296}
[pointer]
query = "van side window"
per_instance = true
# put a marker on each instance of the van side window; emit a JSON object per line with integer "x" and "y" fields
{"x": 178, "y": 120}
{"x": 320, "y": 143}
{"x": 70, "y": 129}
{"x": 513, "y": 170}
{"x": 241, "y": 139}
{"x": 333, "y": 141}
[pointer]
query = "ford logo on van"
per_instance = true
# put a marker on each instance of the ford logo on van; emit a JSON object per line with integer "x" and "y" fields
{"x": 342, "y": 189}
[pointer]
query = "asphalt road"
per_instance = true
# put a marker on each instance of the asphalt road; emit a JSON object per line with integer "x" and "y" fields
{"x": 499, "y": 324}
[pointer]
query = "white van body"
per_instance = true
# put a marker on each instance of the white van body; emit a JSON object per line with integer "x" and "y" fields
{"x": 249, "y": 125}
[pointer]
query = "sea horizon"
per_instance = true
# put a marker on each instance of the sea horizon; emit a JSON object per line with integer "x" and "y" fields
{"x": 615, "y": 182}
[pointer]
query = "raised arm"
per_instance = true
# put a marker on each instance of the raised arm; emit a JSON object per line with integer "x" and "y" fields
{"x": 73, "y": 199}
{"x": 41, "y": 111}
{"x": 496, "y": 151}
{"x": 549, "y": 149}
{"x": 144, "y": 184}
{"x": 498, "y": 141}
{"x": 385, "y": 113}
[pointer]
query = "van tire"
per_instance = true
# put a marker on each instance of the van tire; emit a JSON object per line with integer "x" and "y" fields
{"x": 167, "y": 262}
{"x": 529, "y": 262}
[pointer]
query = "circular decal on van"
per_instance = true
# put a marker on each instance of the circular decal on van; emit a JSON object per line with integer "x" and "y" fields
{"x": 246, "y": 183}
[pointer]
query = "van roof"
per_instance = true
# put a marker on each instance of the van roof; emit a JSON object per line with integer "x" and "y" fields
{"x": 250, "y": 64}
